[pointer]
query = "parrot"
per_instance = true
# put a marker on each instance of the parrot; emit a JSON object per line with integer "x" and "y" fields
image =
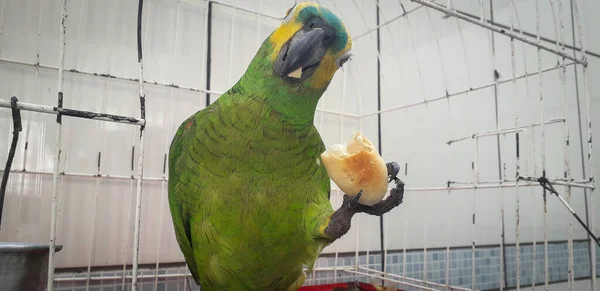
{"x": 248, "y": 195}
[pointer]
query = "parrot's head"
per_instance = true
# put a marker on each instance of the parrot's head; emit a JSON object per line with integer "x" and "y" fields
{"x": 296, "y": 63}
{"x": 309, "y": 46}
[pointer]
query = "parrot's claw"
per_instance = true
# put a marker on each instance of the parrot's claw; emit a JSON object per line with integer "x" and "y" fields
{"x": 339, "y": 222}
{"x": 351, "y": 203}
{"x": 396, "y": 197}
{"x": 393, "y": 169}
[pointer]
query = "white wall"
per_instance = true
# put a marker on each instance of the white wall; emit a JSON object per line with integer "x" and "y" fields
{"x": 423, "y": 56}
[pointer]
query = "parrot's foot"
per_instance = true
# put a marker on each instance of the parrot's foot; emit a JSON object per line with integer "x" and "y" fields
{"x": 339, "y": 222}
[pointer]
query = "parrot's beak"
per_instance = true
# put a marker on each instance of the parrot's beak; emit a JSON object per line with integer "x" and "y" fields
{"x": 300, "y": 56}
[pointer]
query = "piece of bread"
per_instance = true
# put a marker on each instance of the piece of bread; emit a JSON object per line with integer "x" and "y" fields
{"x": 356, "y": 165}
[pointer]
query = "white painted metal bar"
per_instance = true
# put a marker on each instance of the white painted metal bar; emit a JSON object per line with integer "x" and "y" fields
{"x": 337, "y": 196}
{"x": 386, "y": 23}
{"x": 448, "y": 213}
{"x": 504, "y": 130}
{"x": 531, "y": 152}
{"x": 517, "y": 158}
{"x": 588, "y": 120}
{"x": 162, "y": 276}
{"x": 580, "y": 183}
{"x": 475, "y": 169}
{"x": 57, "y": 150}
{"x": 128, "y": 225}
{"x": 92, "y": 243}
{"x": 543, "y": 142}
{"x": 102, "y": 75}
{"x": 74, "y": 113}
{"x": 245, "y": 9}
{"x": 566, "y": 149}
{"x": 138, "y": 203}
{"x": 424, "y": 282}
{"x": 489, "y": 85}
{"x": 491, "y": 186}
{"x": 153, "y": 83}
{"x": 389, "y": 280}
{"x": 491, "y": 27}
{"x": 533, "y": 213}
{"x": 185, "y": 275}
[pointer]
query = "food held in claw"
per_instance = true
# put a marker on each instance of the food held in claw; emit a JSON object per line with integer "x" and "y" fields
{"x": 356, "y": 165}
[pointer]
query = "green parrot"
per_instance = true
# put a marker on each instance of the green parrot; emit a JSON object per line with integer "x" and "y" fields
{"x": 248, "y": 194}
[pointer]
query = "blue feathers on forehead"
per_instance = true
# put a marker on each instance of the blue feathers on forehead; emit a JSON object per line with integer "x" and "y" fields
{"x": 331, "y": 19}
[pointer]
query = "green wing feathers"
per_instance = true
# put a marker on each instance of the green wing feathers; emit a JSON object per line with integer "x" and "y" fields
{"x": 241, "y": 182}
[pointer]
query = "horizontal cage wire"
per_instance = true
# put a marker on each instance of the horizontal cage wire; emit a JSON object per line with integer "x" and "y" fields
{"x": 485, "y": 105}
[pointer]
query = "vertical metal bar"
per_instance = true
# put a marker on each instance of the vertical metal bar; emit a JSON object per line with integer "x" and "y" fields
{"x": 475, "y": 169}
{"x": 379, "y": 140}
{"x": 590, "y": 159}
{"x": 567, "y": 154}
{"x": 567, "y": 150}
{"x": 496, "y": 76}
{"x": 138, "y": 204}
{"x": 100, "y": 126}
{"x": 94, "y": 219}
{"x": 517, "y": 158}
{"x": 543, "y": 142}
{"x": 337, "y": 245}
{"x": 449, "y": 216}
{"x": 530, "y": 145}
{"x": 533, "y": 213}
{"x": 208, "y": 48}
{"x": 55, "y": 176}
{"x": 580, "y": 131}
{"x": 424, "y": 98}
{"x": 185, "y": 279}
{"x": 359, "y": 102}
{"x": 129, "y": 220}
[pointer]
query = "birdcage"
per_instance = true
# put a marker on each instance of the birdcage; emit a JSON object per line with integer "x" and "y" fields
{"x": 503, "y": 204}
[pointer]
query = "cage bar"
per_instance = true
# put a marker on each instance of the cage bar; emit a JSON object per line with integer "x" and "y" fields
{"x": 517, "y": 158}
{"x": 458, "y": 93}
{"x": 386, "y": 23}
{"x": 414, "y": 280}
{"x": 491, "y": 27}
{"x": 590, "y": 158}
{"x": 60, "y": 111}
{"x": 138, "y": 203}
{"x": 57, "y": 151}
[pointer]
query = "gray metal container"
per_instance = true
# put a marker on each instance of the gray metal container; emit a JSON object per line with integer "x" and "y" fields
{"x": 24, "y": 266}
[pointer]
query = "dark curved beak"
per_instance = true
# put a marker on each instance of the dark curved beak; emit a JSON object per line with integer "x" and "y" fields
{"x": 305, "y": 49}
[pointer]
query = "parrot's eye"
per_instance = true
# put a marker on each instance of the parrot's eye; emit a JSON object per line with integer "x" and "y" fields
{"x": 328, "y": 32}
{"x": 344, "y": 59}
{"x": 328, "y": 38}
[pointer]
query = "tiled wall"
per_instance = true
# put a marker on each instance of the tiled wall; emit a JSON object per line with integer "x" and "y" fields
{"x": 409, "y": 264}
